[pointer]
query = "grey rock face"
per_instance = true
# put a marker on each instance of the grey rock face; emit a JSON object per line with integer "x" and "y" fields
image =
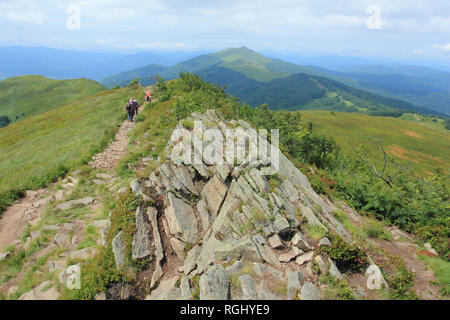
{"x": 248, "y": 287}
{"x": 300, "y": 242}
{"x": 181, "y": 219}
{"x": 118, "y": 247}
{"x": 309, "y": 292}
{"x": 214, "y": 284}
{"x": 293, "y": 283}
{"x": 141, "y": 245}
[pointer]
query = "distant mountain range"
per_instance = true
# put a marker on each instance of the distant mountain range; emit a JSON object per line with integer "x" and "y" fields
{"x": 250, "y": 76}
{"x": 68, "y": 64}
{"x": 256, "y": 79}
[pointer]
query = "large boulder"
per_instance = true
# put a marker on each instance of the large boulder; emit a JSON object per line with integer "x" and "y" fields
{"x": 214, "y": 284}
{"x": 141, "y": 245}
{"x": 118, "y": 247}
{"x": 181, "y": 219}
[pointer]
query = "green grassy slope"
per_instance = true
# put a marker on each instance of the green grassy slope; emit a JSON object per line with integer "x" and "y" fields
{"x": 26, "y": 96}
{"x": 37, "y": 150}
{"x": 425, "y": 147}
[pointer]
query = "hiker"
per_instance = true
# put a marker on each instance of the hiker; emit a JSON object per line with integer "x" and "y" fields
{"x": 136, "y": 105}
{"x": 130, "y": 110}
{"x": 147, "y": 96}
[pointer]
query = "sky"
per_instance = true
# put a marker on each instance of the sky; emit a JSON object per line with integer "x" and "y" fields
{"x": 409, "y": 30}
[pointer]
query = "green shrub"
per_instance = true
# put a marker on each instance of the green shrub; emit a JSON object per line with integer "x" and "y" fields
{"x": 347, "y": 256}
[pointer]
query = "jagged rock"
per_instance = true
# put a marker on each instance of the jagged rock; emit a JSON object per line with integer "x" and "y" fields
{"x": 100, "y": 223}
{"x": 166, "y": 291}
{"x": 235, "y": 267}
{"x": 214, "y": 284}
{"x": 223, "y": 171}
{"x": 12, "y": 291}
{"x": 181, "y": 219}
{"x": 62, "y": 239}
{"x": 104, "y": 176}
{"x": 307, "y": 257}
{"x": 83, "y": 254}
{"x": 100, "y": 296}
{"x": 184, "y": 177}
{"x": 205, "y": 216}
{"x": 125, "y": 291}
{"x": 293, "y": 283}
{"x": 430, "y": 249}
{"x": 265, "y": 251}
{"x": 248, "y": 287}
{"x": 152, "y": 214}
{"x": 287, "y": 257}
{"x": 185, "y": 287}
{"x": 30, "y": 194}
{"x": 66, "y": 205}
{"x": 178, "y": 247}
{"x": 237, "y": 249}
{"x": 156, "y": 276}
{"x": 118, "y": 247}
{"x": 300, "y": 242}
{"x": 324, "y": 242}
{"x": 56, "y": 266}
{"x": 41, "y": 292}
{"x": 309, "y": 292}
{"x": 275, "y": 242}
{"x": 191, "y": 258}
{"x": 4, "y": 255}
{"x": 214, "y": 192}
{"x": 281, "y": 225}
{"x": 375, "y": 279}
{"x": 334, "y": 271}
{"x": 43, "y": 202}
{"x": 322, "y": 265}
{"x": 59, "y": 195}
{"x": 98, "y": 182}
{"x": 264, "y": 293}
{"x": 70, "y": 277}
{"x": 141, "y": 246}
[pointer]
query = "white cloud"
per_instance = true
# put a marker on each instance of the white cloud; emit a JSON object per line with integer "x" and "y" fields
{"x": 443, "y": 47}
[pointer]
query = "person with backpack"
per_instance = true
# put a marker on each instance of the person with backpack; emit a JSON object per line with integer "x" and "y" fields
{"x": 147, "y": 96}
{"x": 130, "y": 110}
{"x": 136, "y": 106}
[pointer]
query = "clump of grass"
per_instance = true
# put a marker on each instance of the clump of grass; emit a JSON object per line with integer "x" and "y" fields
{"x": 441, "y": 270}
{"x": 376, "y": 229}
{"x": 338, "y": 289}
{"x": 315, "y": 232}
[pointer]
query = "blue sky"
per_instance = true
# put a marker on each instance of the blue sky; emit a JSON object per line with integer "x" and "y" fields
{"x": 410, "y": 30}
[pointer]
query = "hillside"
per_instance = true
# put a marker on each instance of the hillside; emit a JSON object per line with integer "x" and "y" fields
{"x": 206, "y": 231}
{"x": 26, "y": 96}
{"x": 426, "y": 148}
{"x": 37, "y": 150}
{"x": 242, "y": 60}
{"x": 256, "y": 80}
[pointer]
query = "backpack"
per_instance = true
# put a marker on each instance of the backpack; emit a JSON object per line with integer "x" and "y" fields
{"x": 128, "y": 107}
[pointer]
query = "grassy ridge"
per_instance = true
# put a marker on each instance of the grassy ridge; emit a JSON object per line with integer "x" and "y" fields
{"x": 35, "y": 151}
{"x": 425, "y": 147}
{"x": 32, "y": 95}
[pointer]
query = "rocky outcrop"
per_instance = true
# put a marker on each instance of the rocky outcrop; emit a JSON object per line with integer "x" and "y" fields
{"x": 230, "y": 231}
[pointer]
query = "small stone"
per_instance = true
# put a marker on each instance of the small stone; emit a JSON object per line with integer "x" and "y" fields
{"x": 322, "y": 265}
{"x": 287, "y": 257}
{"x": 300, "y": 242}
{"x": 4, "y": 255}
{"x": 100, "y": 296}
{"x": 334, "y": 271}
{"x": 430, "y": 249}
{"x": 275, "y": 242}
{"x": 324, "y": 242}
{"x": 307, "y": 257}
